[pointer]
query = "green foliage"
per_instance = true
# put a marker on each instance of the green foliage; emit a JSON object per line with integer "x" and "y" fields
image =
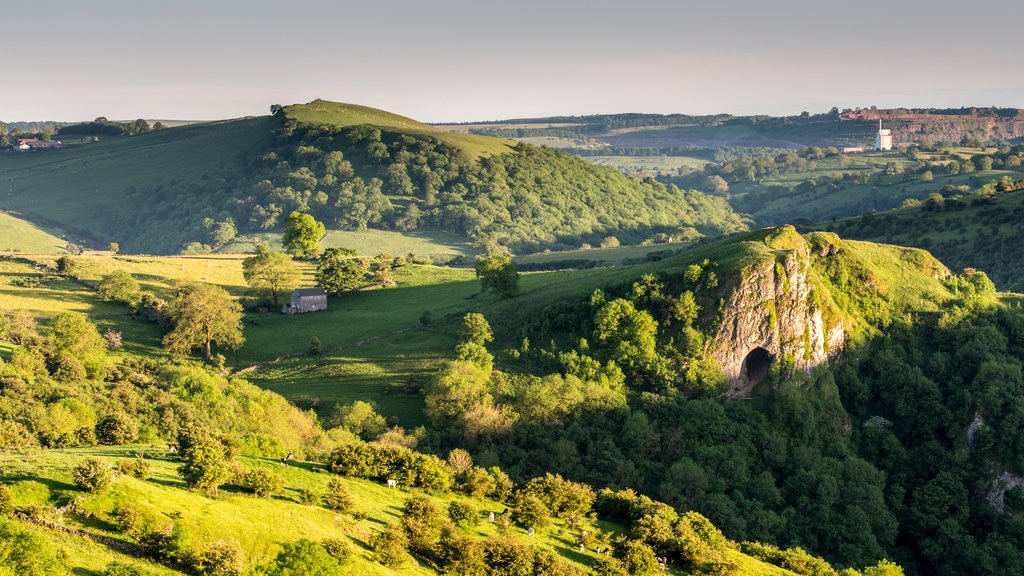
{"x": 6, "y": 500}
{"x": 200, "y": 315}
{"x": 263, "y": 482}
{"x": 93, "y": 475}
{"x": 221, "y": 559}
{"x": 339, "y": 271}
{"x": 302, "y": 235}
{"x": 26, "y": 554}
{"x": 300, "y": 558}
{"x": 117, "y": 428}
{"x": 122, "y": 569}
{"x": 422, "y": 522}
{"x": 337, "y": 497}
{"x": 498, "y": 274}
{"x": 389, "y": 546}
{"x": 463, "y": 514}
{"x": 120, "y": 286}
{"x": 266, "y": 270}
{"x": 137, "y": 467}
{"x": 204, "y": 463}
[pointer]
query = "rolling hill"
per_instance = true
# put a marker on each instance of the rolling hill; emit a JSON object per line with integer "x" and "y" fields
{"x": 203, "y": 187}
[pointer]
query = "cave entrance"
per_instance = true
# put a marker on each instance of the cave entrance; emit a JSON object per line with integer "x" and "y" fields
{"x": 756, "y": 365}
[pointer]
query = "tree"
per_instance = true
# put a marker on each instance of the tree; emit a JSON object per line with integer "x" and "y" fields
{"x": 389, "y": 546}
{"x": 117, "y": 428}
{"x": 337, "y": 497}
{"x": 338, "y": 271}
{"x": 204, "y": 464}
{"x": 498, "y": 274}
{"x": 201, "y": 315}
{"x": 120, "y": 286}
{"x": 269, "y": 270}
{"x": 302, "y": 234}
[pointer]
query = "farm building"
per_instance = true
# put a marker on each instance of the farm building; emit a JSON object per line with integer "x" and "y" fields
{"x": 306, "y": 300}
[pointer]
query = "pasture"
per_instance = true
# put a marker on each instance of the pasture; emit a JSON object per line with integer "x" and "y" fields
{"x": 17, "y": 235}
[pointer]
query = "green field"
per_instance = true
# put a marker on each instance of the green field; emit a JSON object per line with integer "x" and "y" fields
{"x": 17, "y": 235}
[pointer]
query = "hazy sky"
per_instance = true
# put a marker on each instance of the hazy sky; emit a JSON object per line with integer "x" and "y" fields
{"x": 455, "y": 60}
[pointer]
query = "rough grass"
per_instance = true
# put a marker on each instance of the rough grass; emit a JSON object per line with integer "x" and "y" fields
{"x": 17, "y": 235}
{"x": 338, "y": 114}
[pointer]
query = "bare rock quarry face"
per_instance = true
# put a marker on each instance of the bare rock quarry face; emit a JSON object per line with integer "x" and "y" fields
{"x": 771, "y": 313}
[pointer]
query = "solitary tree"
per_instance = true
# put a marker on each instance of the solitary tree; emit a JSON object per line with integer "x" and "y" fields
{"x": 201, "y": 315}
{"x": 498, "y": 274}
{"x": 302, "y": 234}
{"x": 269, "y": 270}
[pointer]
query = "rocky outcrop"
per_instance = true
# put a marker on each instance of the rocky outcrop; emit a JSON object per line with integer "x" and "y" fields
{"x": 771, "y": 313}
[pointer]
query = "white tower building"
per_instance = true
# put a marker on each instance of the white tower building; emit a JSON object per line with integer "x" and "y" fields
{"x": 883, "y": 141}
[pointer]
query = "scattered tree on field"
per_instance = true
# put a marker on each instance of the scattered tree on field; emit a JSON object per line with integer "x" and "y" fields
{"x": 274, "y": 271}
{"x": 201, "y": 315}
{"x": 339, "y": 271}
{"x": 498, "y": 274}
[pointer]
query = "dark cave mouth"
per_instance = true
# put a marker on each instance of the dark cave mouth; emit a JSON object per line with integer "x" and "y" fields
{"x": 756, "y": 365}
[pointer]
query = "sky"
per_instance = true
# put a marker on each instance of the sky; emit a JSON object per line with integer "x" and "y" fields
{"x": 463, "y": 61}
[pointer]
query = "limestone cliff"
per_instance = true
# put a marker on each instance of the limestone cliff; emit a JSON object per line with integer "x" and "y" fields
{"x": 771, "y": 311}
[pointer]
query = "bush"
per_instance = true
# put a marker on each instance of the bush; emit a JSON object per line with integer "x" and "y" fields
{"x": 301, "y": 558}
{"x": 93, "y": 475}
{"x": 308, "y": 497}
{"x": 389, "y": 546}
{"x": 131, "y": 519}
{"x": 263, "y": 482}
{"x": 422, "y": 522}
{"x": 463, "y": 514}
{"x": 137, "y": 467}
{"x": 221, "y": 559}
{"x": 6, "y": 500}
{"x": 339, "y": 548}
{"x": 337, "y": 497}
{"x": 116, "y": 429}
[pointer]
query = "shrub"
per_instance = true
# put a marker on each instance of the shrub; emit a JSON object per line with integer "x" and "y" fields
{"x": 389, "y": 546}
{"x": 422, "y": 522}
{"x": 131, "y": 519}
{"x": 221, "y": 559}
{"x": 168, "y": 543}
{"x": 116, "y": 429}
{"x": 137, "y": 467}
{"x": 6, "y": 500}
{"x": 337, "y": 497}
{"x": 263, "y": 482}
{"x": 463, "y": 514}
{"x": 339, "y": 548}
{"x": 14, "y": 434}
{"x": 301, "y": 558}
{"x": 93, "y": 475}
{"x": 308, "y": 497}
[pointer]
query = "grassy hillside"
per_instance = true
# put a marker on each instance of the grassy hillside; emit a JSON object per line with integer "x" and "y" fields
{"x": 353, "y": 168}
{"x": 964, "y": 231}
{"x": 322, "y": 112}
{"x": 17, "y": 235}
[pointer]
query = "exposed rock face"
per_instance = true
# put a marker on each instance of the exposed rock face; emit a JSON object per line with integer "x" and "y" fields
{"x": 771, "y": 313}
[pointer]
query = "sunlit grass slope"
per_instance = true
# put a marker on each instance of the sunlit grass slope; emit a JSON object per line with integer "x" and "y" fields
{"x": 320, "y": 112}
{"x": 43, "y": 478}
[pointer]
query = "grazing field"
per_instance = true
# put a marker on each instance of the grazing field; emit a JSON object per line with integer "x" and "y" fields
{"x": 17, "y": 235}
